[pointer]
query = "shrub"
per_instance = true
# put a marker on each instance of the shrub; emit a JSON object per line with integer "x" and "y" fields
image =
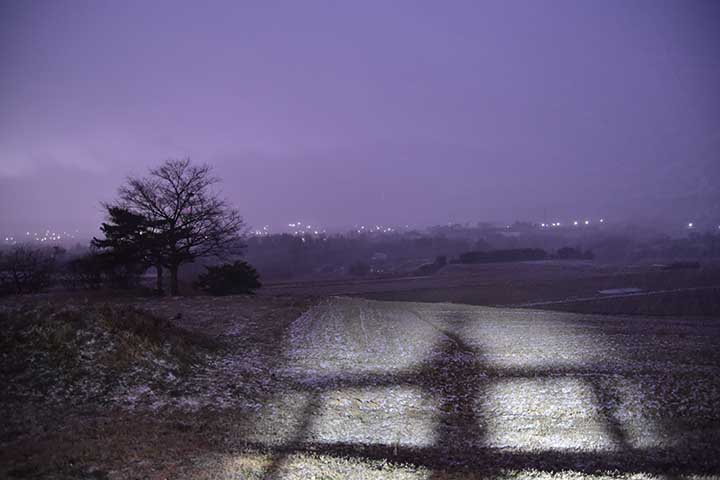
{"x": 359, "y": 269}
{"x": 229, "y": 279}
{"x": 510, "y": 255}
{"x": 569, "y": 253}
{"x": 431, "y": 268}
{"x": 86, "y": 271}
{"x": 25, "y": 269}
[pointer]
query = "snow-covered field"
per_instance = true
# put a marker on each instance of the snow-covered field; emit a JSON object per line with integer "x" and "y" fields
{"x": 457, "y": 382}
{"x": 416, "y": 390}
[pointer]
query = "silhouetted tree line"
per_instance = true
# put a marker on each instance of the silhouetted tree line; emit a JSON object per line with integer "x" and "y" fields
{"x": 287, "y": 256}
{"x": 695, "y": 245}
{"x": 27, "y": 269}
{"x": 511, "y": 255}
{"x": 570, "y": 253}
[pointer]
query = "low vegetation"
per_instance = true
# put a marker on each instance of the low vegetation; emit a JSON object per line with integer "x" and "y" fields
{"x": 511, "y": 255}
{"x": 26, "y": 269}
{"x": 91, "y": 353}
{"x": 229, "y": 279}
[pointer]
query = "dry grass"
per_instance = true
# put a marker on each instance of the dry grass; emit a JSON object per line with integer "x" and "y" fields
{"x": 65, "y": 331}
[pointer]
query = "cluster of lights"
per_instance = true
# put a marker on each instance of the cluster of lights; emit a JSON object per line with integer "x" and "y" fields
{"x": 575, "y": 223}
{"x": 587, "y": 222}
{"x": 42, "y": 237}
{"x": 692, "y": 225}
{"x": 262, "y": 232}
{"x": 301, "y": 230}
{"x": 50, "y": 236}
{"x": 375, "y": 229}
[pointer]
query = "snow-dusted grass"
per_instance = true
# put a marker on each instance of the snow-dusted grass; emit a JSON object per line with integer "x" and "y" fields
{"x": 65, "y": 354}
{"x": 464, "y": 380}
{"x": 350, "y": 388}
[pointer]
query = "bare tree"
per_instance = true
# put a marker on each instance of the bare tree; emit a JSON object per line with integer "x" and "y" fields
{"x": 27, "y": 269}
{"x": 187, "y": 218}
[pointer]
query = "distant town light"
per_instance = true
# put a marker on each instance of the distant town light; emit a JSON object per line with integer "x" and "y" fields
{"x": 690, "y": 225}
{"x": 575, "y": 222}
{"x": 587, "y": 222}
{"x": 602, "y": 220}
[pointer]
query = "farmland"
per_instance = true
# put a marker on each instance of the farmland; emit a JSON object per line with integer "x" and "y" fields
{"x": 555, "y": 285}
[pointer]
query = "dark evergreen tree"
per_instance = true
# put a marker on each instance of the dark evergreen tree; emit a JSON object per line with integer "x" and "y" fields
{"x": 229, "y": 279}
{"x": 129, "y": 247}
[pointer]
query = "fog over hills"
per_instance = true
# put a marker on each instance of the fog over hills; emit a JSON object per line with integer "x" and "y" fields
{"x": 402, "y": 113}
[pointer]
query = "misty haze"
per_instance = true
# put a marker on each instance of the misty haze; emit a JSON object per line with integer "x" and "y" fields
{"x": 395, "y": 240}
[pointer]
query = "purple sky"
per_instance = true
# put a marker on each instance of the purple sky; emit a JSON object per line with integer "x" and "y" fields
{"x": 365, "y": 111}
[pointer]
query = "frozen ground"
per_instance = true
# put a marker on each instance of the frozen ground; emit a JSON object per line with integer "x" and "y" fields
{"x": 464, "y": 386}
{"x": 353, "y": 388}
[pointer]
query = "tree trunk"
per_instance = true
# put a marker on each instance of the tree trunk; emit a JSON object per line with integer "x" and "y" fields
{"x": 159, "y": 279}
{"x": 174, "y": 290}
